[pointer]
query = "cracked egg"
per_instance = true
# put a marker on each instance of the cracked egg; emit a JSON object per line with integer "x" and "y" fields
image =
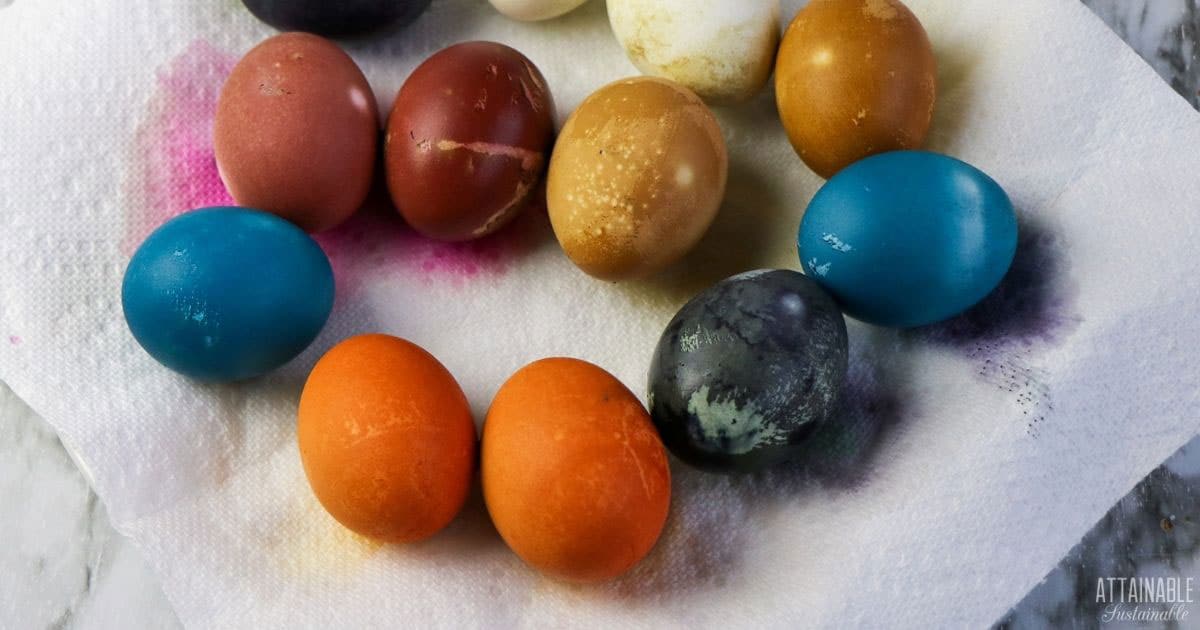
{"x": 574, "y": 475}
{"x": 468, "y": 140}
{"x": 386, "y": 438}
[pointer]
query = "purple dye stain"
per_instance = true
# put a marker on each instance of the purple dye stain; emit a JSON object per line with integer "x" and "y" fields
{"x": 1032, "y": 304}
{"x": 14, "y": 340}
{"x": 1030, "y": 309}
{"x": 174, "y": 170}
{"x": 840, "y": 451}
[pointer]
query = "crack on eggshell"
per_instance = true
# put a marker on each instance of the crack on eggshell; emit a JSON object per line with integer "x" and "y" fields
{"x": 519, "y": 195}
{"x": 530, "y": 160}
{"x": 637, "y": 461}
{"x": 273, "y": 90}
{"x": 529, "y": 96}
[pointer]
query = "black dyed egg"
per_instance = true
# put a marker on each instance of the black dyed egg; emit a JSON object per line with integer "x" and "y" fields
{"x": 747, "y": 370}
{"x": 335, "y": 17}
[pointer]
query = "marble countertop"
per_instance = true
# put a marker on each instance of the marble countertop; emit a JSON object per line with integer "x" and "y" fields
{"x": 63, "y": 565}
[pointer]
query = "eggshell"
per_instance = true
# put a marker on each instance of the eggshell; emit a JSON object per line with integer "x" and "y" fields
{"x": 226, "y": 294}
{"x": 747, "y": 370}
{"x": 335, "y": 17}
{"x": 535, "y": 10}
{"x": 854, "y": 78}
{"x": 296, "y": 131}
{"x": 908, "y": 238}
{"x": 636, "y": 178}
{"x": 386, "y": 438}
{"x": 721, "y": 49}
{"x": 574, "y": 476}
{"x": 468, "y": 140}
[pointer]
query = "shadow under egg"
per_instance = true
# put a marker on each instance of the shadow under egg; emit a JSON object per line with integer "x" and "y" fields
{"x": 745, "y": 235}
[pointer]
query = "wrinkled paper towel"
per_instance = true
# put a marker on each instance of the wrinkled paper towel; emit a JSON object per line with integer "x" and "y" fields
{"x": 970, "y": 457}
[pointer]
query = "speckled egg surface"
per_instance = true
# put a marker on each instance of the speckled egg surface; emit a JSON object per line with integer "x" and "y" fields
{"x": 721, "y": 49}
{"x": 468, "y": 140}
{"x": 636, "y": 178}
{"x": 747, "y": 370}
{"x": 908, "y": 238}
{"x": 227, "y": 293}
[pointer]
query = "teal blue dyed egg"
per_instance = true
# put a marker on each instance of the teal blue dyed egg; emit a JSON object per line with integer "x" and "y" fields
{"x": 226, "y": 294}
{"x": 908, "y": 238}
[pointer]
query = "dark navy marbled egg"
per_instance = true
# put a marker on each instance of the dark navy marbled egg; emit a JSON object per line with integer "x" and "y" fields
{"x": 747, "y": 370}
{"x": 335, "y": 17}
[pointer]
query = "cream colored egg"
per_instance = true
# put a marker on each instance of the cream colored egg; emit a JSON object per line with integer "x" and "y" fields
{"x": 534, "y": 10}
{"x": 721, "y": 49}
{"x": 636, "y": 178}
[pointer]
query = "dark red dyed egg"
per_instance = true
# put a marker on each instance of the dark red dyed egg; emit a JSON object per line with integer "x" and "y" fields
{"x": 468, "y": 140}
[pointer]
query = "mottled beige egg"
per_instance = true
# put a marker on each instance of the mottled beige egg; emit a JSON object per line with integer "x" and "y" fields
{"x": 636, "y": 178}
{"x": 721, "y": 49}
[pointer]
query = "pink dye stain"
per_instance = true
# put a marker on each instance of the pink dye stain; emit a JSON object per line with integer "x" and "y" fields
{"x": 376, "y": 242}
{"x": 14, "y": 340}
{"x": 175, "y": 171}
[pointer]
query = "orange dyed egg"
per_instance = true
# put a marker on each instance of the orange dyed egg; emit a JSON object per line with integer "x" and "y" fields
{"x": 574, "y": 474}
{"x": 386, "y": 438}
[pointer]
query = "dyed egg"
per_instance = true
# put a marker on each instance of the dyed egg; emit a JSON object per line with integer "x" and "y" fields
{"x": 296, "y": 131}
{"x": 468, "y": 139}
{"x": 747, "y": 370}
{"x": 854, "y": 78}
{"x": 574, "y": 476}
{"x": 225, "y": 294}
{"x": 722, "y": 49}
{"x": 386, "y": 438}
{"x": 334, "y": 18}
{"x": 636, "y": 178}
{"x": 534, "y": 10}
{"x": 908, "y": 238}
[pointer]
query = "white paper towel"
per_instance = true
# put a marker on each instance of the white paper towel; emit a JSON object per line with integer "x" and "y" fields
{"x": 971, "y": 455}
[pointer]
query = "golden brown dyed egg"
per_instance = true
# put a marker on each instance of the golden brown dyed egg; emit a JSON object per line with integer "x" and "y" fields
{"x": 854, "y": 78}
{"x": 636, "y": 178}
{"x": 296, "y": 131}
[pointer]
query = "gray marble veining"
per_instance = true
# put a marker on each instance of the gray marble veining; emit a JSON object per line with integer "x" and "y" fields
{"x": 1164, "y": 32}
{"x": 61, "y": 563}
{"x": 1154, "y": 531}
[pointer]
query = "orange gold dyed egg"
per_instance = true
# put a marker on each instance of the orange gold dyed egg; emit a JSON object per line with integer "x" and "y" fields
{"x": 386, "y": 438}
{"x": 636, "y": 178}
{"x": 854, "y": 78}
{"x": 574, "y": 474}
